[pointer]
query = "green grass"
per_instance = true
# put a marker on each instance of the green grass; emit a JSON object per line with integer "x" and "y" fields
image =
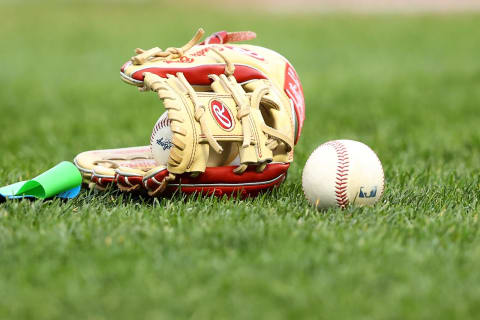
{"x": 408, "y": 86}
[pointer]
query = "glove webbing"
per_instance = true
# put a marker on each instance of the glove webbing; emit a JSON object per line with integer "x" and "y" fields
{"x": 228, "y": 82}
{"x": 157, "y": 84}
{"x": 231, "y": 84}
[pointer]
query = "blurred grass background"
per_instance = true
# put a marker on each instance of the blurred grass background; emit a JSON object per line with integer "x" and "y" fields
{"x": 407, "y": 85}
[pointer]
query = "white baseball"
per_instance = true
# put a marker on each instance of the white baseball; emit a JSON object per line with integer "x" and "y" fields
{"x": 161, "y": 140}
{"x": 343, "y": 172}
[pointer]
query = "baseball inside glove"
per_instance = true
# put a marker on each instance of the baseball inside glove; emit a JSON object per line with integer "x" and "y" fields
{"x": 224, "y": 102}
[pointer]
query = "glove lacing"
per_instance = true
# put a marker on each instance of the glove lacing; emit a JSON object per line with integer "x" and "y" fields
{"x": 156, "y": 53}
{"x": 172, "y": 53}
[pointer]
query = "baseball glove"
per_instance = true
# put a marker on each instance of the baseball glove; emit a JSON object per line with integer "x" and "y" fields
{"x": 224, "y": 102}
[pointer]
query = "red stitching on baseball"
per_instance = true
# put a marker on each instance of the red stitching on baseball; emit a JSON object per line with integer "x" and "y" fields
{"x": 165, "y": 122}
{"x": 343, "y": 163}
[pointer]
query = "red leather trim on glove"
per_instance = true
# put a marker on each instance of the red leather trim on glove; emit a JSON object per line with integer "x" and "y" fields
{"x": 218, "y": 37}
{"x": 103, "y": 182}
{"x": 222, "y": 37}
{"x": 199, "y": 75}
{"x": 220, "y": 181}
{"x": 128, "y": 181}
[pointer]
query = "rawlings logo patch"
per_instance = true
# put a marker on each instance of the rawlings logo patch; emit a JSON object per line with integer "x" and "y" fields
{"x": 222, "y": 115}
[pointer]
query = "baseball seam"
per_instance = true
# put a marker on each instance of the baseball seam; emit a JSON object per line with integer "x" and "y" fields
{"x": 341, "y": 176}
{"x": 161, "y": 123}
